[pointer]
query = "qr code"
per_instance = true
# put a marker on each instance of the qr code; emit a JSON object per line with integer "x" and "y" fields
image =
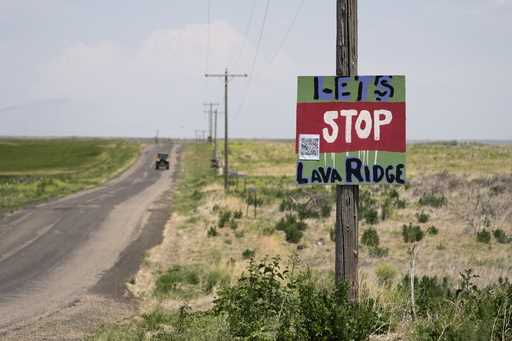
{"x": 309, "y": 147}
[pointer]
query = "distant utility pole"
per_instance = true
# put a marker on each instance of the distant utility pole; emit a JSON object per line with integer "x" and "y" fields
{"x": 226, "y": 76}
{"x": 215, "y": 113}
{"x": 210, "y": 117}
{"x": 347, "y": 196}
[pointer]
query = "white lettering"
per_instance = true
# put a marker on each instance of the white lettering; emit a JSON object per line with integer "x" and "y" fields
{"x": 329, "y": 118}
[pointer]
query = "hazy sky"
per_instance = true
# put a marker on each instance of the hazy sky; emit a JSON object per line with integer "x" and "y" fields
{"x": 128, "y": 68}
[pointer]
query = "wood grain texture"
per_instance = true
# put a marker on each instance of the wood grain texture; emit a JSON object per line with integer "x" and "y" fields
{"x": 347, "y": 196}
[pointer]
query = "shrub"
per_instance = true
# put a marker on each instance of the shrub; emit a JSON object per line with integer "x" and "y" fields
{"x": 224, "y": 218}
{"x": 412, "y": 233}
{"x": 371, "y": 216}
{"x": 325, "y": 210}
{"x": 268, "y": 303}
{"x": 291, "y": 227}
{"x": 483, "y": 236}
{"x": 237, "y": 214}
{"x": 385, "y": 273}
{"x": 212, "y": 231}
{"x": 422, "y": 217}
{"x": 213, "y": 279}
{"x": 233, "y": 225}
{"x": 432, "y": 230}
{"x": 248, "y": 253}
{"x": 433, "y": 200}
{"x": 370, "y": 237}
{"x": 431, "y": 293}
{"x": 500, "y": 236}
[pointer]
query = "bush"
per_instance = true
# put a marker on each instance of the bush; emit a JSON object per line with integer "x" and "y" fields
{"x": 501, "y": 237}
{"x": 385, "y": 273}
{"x": 212, "y": 231}
{"x": 432, "y": 230}
{"x": 292, "y": 228}
{"x": 233, "y": 225}
{"x": 371, "y": 216}
{"x": 483, "y": 236}
{"x": 237, "y": 214}
{"x": 422, "y": 217}
{"x": 224, "y": 218}
{"x": 325, "y": 210}
{"x": 433, "y": 200}
{"x": 370, "y": 237}
{"x": 412, "y": 233}
{"x": 248, "y": 253}
{"x": 268, "y": 303}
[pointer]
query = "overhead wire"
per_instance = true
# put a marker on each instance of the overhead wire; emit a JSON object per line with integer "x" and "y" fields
{"x": 253, "y": 64}
{"x": 290, "y": 27}
{"x": 235, "y": 61}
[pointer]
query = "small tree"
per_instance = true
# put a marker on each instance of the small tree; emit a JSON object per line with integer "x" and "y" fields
{"x": 412, "y": 234}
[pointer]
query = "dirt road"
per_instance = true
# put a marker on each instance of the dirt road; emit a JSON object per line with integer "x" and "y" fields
{"x": 79, "y": 251}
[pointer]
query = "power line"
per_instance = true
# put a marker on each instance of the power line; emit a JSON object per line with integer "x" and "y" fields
{"x": 243, "y": 46}
{"x": 290, "y": 27}
{"x": 258, "y": 44}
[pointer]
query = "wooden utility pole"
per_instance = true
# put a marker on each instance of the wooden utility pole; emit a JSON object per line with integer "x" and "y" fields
{"x": 226, "y": 75}
{"x": 347, "y": 196}
{"x": 215, "y": 113}
{"x": 210, "y": 119}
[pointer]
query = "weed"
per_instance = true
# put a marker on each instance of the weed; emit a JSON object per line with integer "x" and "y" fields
{"x": 233, "y": 225}
{"x": 483, "y": 236}
{"x": 212, "y": 232}
{"x": 370, "y": 237}
{"x": 501, "y": 237}
{"x": 224, "y": 218}
{"x": 291, "y": 227}
{"x": 248, "y": 253}
{"x": 412, "y": 233}
{"x": 422, "y": 217}
{"x": 432, "y": 230}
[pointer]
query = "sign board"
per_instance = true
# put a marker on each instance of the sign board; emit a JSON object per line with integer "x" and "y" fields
{"x": 350, "y": 130}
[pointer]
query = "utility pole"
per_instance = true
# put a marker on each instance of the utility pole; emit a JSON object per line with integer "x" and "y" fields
{"x": 347, "y": 196}
{"x": 215, "y": 113}
{"x": 226, "y": 75}
{"x": 210, "y": 118}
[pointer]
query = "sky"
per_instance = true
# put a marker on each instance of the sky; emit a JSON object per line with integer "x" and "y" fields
{"x": 130, "y": 68}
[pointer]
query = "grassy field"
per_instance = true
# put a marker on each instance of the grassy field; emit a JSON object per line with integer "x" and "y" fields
{"x": 34, "y": 170}
{"x": 458, "y": 196}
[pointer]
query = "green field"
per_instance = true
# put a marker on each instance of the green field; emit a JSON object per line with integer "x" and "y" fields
{"x": 35, "y": 170}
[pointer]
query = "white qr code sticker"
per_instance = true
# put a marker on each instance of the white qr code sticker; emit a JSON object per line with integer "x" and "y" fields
{"x": 309, "y": 147}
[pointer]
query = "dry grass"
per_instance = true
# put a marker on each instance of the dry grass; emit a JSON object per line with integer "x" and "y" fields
{"x": 468, "y": 169}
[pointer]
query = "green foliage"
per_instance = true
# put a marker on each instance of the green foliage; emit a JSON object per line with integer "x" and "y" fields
{"x": 433, "y": 200}
{"x": 385, "y": 273}
{"x": 268, "y": 303}
{"x": 224, "y": 218}
{"x": 432, "y": 230}
{"x": 237, "y": 214}
{"x": 468, "y": 313}
{"x": 412, "y": 233}
{"x": 233, "y": 224}
{"x": 370, "y": 237}
{"x": 422, "y": 217}
{"x": 501, "y": 237}
{"x": 212, "y": 232}
{"x": 248, "y": 253}
{"x": 292, "y": 227}
{"x": 371, "y": 216}
{"x": 483, "y": 236}
{"x": 176, "y": 276}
